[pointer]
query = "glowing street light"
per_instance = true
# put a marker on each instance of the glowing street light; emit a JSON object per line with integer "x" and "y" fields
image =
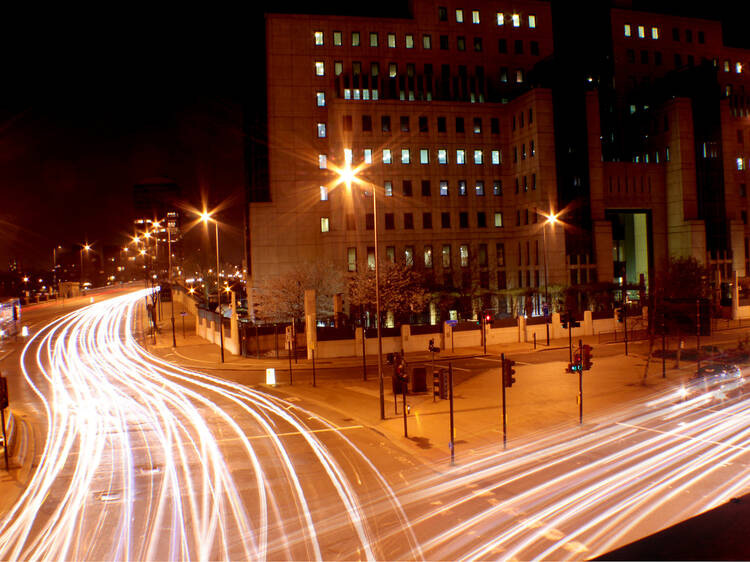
{"x": 551, "y": 221}
{"x": 206, "y": 217}
{"x": 86, "y": 247}
{"x": 347, "y": 176}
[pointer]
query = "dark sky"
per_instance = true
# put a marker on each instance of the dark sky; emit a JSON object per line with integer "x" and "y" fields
{"x": 92, "y": 103}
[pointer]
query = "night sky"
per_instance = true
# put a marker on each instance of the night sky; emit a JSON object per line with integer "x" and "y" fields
{"x": 92, "y": 103}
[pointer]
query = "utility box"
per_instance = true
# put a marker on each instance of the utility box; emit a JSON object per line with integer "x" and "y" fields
{"x": 419, "y": 379}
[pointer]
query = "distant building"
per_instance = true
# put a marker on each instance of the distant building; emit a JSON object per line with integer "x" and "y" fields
{"x": 155, "y": 200}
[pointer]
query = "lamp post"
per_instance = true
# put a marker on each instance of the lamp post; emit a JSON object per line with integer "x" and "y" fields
{"x": 87, "y": 248}
{"x": 205, "y": 217}
{"x": 347, "y": 175}
{"x": 169, "y": 277}
{"x": 551, "y": 220}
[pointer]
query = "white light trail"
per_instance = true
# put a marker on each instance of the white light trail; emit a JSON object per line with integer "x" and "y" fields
{"x": 146, "y": 460}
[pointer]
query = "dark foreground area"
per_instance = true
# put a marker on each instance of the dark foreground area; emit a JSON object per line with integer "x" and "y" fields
{"x": 719, "y": 534}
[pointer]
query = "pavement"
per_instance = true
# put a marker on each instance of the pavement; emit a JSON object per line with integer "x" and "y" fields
{"x": 543, "y": 398}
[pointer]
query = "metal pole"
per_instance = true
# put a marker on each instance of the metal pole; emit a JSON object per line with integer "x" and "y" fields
{"x": 171, "y": 285}
{"x": 451, "y": 443}
{"x": 257, "y": 342}
{"x": 377, "y": 302}
{"x": 364, "y": 359}
{"x": 698, "y": 333}
{"x": 276, "y": 340}
{"x": 546, "y": 291}
{"x": 502, "y": 386}
{"x": 625, "y": 323}
{"x": 432, "y": 369}
{"x": 218, "y": 295}
{"x": 484, "y": 333}
{"x": 404, "y": 387}
{"x": 570, "y": 336}
{"x": 313, "y": 361}
{"x": 534, "y": 340}
{"x": 294, "y": 339}
{"x": 580, "y": 382}
{"x": 289, "y": 355}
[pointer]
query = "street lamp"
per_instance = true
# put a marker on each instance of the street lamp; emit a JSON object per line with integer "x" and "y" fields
{"x": 347, "y": 176}
{"x": 156, "y": 225}
{"x": 87, "y": 248}
{"x": 205, "y": 217}
{"x": 551, "y": 220}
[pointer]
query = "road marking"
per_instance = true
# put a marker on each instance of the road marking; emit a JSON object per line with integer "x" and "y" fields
{"x": 681, "y": 436}
{"x": 339, "y": 428}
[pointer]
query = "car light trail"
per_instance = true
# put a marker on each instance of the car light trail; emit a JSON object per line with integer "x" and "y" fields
{"x": 142, "y": 460}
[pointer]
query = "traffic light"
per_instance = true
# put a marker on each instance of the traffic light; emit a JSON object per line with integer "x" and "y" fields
{"x": 586, "y": 358}
{"x": 574, "y": 367}
{"x": 508, "y": 372}
{"x": 620, "y": 315}
{"x": 488, "y": 318}
{"x": 564, "y": 317}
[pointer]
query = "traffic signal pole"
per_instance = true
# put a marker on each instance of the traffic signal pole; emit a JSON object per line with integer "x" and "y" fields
{"x": 450, "y": 396}
{"x": 502, "y": 385}
{"x": 580, "y": 384}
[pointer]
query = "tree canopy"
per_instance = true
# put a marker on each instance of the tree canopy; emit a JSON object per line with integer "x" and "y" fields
{"x": 402, "y": 289}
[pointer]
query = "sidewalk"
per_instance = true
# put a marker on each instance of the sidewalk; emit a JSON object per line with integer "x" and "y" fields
{"x": 543, "y": 397}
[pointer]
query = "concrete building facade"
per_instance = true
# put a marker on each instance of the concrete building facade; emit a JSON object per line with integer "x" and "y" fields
{"x": 453, "y": 120}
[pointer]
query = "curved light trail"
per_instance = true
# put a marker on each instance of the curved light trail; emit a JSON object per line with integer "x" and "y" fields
{"x": 146, "y": 460}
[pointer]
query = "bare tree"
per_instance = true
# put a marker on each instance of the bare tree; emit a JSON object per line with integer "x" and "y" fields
{"x": 283, "y": 297}
{"x": 401, "y": 289}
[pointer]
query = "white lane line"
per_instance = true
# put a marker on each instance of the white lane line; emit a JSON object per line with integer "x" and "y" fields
{"x": 306, "y": 432}
{"x": 454, "y": 368}
{"x": 681, "y": 436}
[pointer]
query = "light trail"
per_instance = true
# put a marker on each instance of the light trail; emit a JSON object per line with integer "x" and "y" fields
{"x": 146, "y": 460}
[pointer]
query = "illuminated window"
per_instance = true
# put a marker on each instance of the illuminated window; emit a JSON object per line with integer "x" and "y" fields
{"x": 478, "y": 157}
{"x": 405, "y": 156}
{"x": 409, "y": 256}
{"x": 654, "y": 33}
{"x": 463, "y": 253}
{"x": 460, "y": 156}
{"x": 479, "y": 188}
{"x": 727, "y": 65}
{"x": 740, "y": 163}
{"x": 337, "y": 38}
{"x": 496, "y": 157}
{"x": 355, "y": 38}
{"x": 322, "y": 161}
{"x": 516, "y": 19}
{"x": 388, "y": 188}
{"x": 391, "y": 40}
{"x": 497, "y": 187}
{"x": 320, "y": 68}
{"x": 462, "y": 188}
{"x": 324, "y": 225}
{"x": 444, "y": 188}
{"x": 500, "y": 18}
{"x": 475, "y": 16}
{"x": 320, "y": 98}
{"x": 459, "y": 16}
{"x": 318, "y": 37}
{"x": 519, "y": 75}
{"x": 387, "y": 157}
{"x": 351, "y": 258}
{"x": 446, "y": 255}
{"x": 424, "y": 156}
{"x": 392, "y": 70}
{"x": 373, "y": 39}
{"x": 321, "y": 130}
{"x": 409, "y": 41}
{"x": 348, "y": 156}
{"x": 532, "y": 21}
{"x": 442, "y": 156}
{"x": 428, "y": 256}
{"x": 628, "y": 33}
{"x": 323, "y": 193}
{"x": 498, "y": 220}
{"x": 738, "y": 67}
{"x": 338, "y": 67}
{"x": 427, "y": 41}
{"x": 641, "y": 32}
{"x": 368, "y": 155}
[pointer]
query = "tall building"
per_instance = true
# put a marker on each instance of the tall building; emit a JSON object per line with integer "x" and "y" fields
{"x": 472, "y": 124}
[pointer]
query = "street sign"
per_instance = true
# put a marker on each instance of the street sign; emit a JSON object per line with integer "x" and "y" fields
{"x": 183, "y": 313}
{"x": 545, "y": 309}
{"x": 452, "y": 322}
